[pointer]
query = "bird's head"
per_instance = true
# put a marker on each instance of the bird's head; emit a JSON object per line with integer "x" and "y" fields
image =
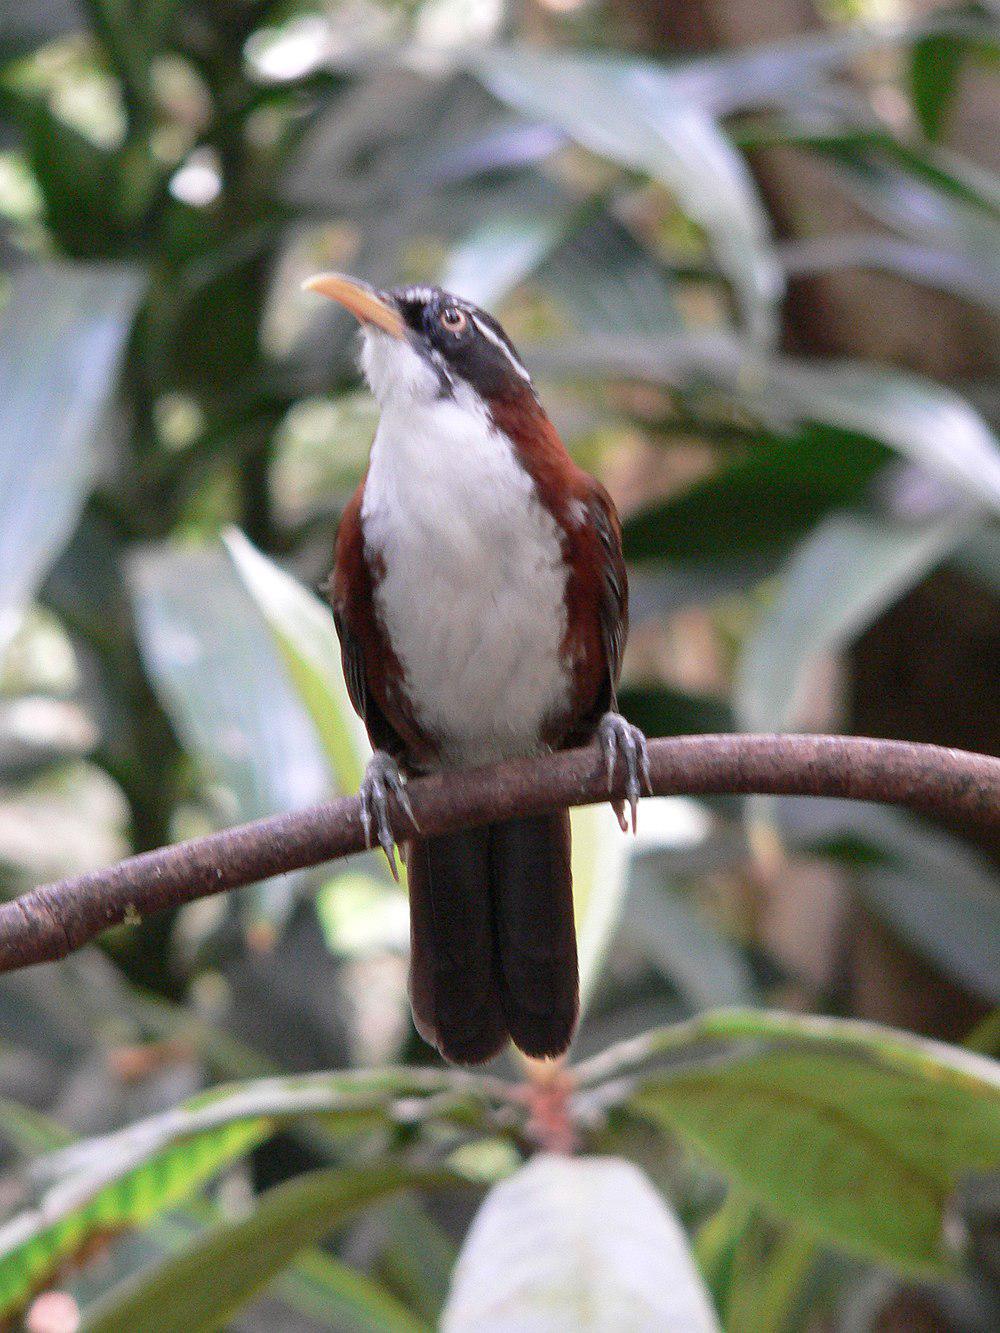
{"x": 422, "y": 343}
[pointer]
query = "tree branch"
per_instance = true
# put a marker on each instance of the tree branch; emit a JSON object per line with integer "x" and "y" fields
{"x": 51, "y": 921}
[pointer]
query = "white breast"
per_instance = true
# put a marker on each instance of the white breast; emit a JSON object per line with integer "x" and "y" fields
{"x": 473, "y": 593}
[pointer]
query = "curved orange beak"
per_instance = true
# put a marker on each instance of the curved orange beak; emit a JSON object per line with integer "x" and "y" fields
{"x": 362, "y": 301}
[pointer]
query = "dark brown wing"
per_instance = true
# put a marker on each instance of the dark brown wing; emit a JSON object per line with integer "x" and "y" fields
{"x": 613, "y": 588}
{"x": 597, "y": 596}
{"x": 365, "y": 657}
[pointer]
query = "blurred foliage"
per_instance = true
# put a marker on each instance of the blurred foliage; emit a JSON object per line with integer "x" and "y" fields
{"x": 180, "y": 430}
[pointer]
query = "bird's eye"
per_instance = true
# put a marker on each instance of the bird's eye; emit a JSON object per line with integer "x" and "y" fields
{"x": 453, "y": 319}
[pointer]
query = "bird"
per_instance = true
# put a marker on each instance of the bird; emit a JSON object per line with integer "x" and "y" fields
{"x": 480, "y": 597}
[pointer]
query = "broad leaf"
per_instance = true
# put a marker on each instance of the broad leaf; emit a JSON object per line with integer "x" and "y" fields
{"x": 581, "y": 1242}
{"x": 788, "y": 72}
{"x": 925, "y": 422}
{"x": 303, "y": 630}
{"x": 227, "y": 691}
{"x": 664, "y": 925}
{"x": 757, "y": 502}
{"x": 969, "y": 277}
{"x": 602, "y": 280}
{"x": 835, "y": 583}
{"x": 936, "y": 893}
{"x": 358, "y": 906}
{"x": 335, "y": 1294}
{"x": 602, "y": 860}
{"x": 605, "y": 106}
{"x": 856, "y": 1131}
{"x": 121, "y": 1180}
{"x": 204, "y": 1285}
{"x": 61, "y": 338}
{"x": 36, "y": 1242}
{"x": 501, "y": 251}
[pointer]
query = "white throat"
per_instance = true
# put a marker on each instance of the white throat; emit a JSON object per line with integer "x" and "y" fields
{"x": 473, "y": 592}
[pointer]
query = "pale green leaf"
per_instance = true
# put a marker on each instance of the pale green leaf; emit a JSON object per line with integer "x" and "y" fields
{"x": 601, "y": 860}
{"x": 61, "y": 337}
{"x": 576, "y": 1242}
{"x": 501, "y": 251}
{"x": 303, "y": 630}
{"x": 227, "y": 691}
{"x": 847, "y": 570}
{"x": 925, "y": 422}
{"x": 607, "y": 105}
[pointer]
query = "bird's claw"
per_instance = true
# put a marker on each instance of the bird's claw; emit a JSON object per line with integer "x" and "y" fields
{"x": 616, "y": 735}
{"x": 382, "y": 776}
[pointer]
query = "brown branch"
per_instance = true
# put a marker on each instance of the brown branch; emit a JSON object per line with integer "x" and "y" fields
{"x": 51, "y": 921}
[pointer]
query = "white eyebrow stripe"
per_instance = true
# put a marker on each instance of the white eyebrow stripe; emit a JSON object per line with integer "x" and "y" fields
{"x": 487, "y": 332}
{"x": 424, "y": 294}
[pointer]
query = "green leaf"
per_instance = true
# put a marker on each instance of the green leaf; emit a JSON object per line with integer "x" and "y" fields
{"x": 337, "y": 1295}
{"x": 757, "y": 502}
{"x": 717, "y": 1245}
{"x": 660, "y": 711}
{"x": 966, "y": 276}
{"x": 576, "y": 1242}
{"x": 603, "y": 281}
{"x": 935, "y": 892}
{"x": 853, "y": 1130}
{"x": 35, "y": 1243}
{"x": 80, "y": 183}
{"x": 935, "y": 65}
{"x": 602, "y": 858}
{"x": 61, "y": 338}
{"x": 206, "y": 1284}
{"x": 121, "y": 1180}
{"x": 835, "y": 583}
{"x": 610, "y": 106}
{"x": 500, "y": 251}
{"x": 664, "y": 925}
{"x": 227, "y": 691}
{"x": 925, "y": 422}
{"x": 768, "y": 1282}
{"x": 417, "y": 1257}
{"x": 303, "y": 630}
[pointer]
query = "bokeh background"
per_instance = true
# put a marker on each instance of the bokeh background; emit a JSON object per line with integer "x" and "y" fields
{"x": 752, "y": 253}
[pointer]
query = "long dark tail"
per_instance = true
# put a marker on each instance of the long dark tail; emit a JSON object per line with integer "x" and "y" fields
{"x": 493, "y": 946}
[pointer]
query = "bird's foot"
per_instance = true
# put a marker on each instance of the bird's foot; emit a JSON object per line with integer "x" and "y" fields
{"x": 616, "y": 735}
{"x": 382, "y": 777}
